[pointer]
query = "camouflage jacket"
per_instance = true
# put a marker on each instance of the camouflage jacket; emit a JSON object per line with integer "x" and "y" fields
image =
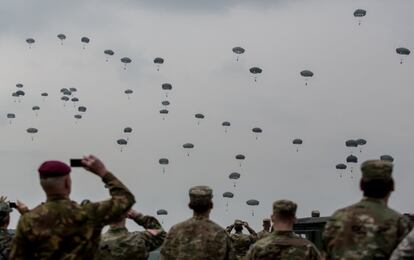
{"x": 262, "y": 234}
{"x": 197, "y": 238}
{"x": 242, "y": 242}
{"x": 284, "y": 245}
{"x": 365, "y": 230}
{"x": 62, "y": 229}
{"x": 6, "y": 236}
{"x": 118, "y": 243}
{"x": 405, "y": 249}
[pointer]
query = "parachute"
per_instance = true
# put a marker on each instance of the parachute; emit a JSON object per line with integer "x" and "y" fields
{"x": 128, "y": 92}
{"x": 387, "y": 158}
{"x": 125, "y": 61}
{"x": 11, "y": 116}
{"x": 306, "y": 74}
{"x": 73, "y": 90}
{"x": 257, "y": 131}
{"x": 234, "y": 176}
{"x": 77, "y": 117}
{"x": 127, "y": 132}
{"x": 32, "y": 131}
{"x": 402, "y": 52}
{"x": 361, "y": 142}
{"x": 351, "y": 144}
{"x": 64, "y": 99}
{"x": 162, "y": 212}
{"x": 82, "y": 109}
{"x": 19, "y": 85}
{"x": 74, "y": 100}
{"x": 108, "y": 53}
{"x": 44, "y": 95}
{"x": 228, "y": 195}
{"x": 85, "y": 41}
{"x": 341, "y": 167}
{"x": 226, "y": 125}
{"x": 359, "y": 13}
{"x": 36, "y": 109}
{"x": 163, "y": 162}
{"x": 252, "y": 203}
{"x": 199, "y": 117}
{"x": 352, "y": 159}
{"x": 165, "y": 103}
{"x": 255, "y": 71}
{"x": 188, "y": 146}
{"x": 166, "y": 87}
{"x": 30, "y": 41}
{"x": 61, "y": 37}
{"x": 241, "y": 158}
{"x": 238, "y": 51}
{"x": 158, "y": 61}
{"x": 297, "y": 142}
{"x": 163, "y": 112}
{"x": 122, "y": 142}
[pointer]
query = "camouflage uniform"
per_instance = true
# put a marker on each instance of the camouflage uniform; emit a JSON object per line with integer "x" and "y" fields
{"x": 241, "y": 242}
{"x": 405, "y": 249}
{"x": 367, "y": 229}
{"x": 118, "y": 243}
{"x": 198, "y": 237}
{"x": 264, "y": 232}
{"x": 63, "y": 229}
{"x": 6, "y": 235}
{"x": 285, "y": 244}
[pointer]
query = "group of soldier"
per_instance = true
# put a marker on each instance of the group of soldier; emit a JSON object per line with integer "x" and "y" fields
{"x": 62, "y": 229}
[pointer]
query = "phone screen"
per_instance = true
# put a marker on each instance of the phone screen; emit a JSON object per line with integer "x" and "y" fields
{"x": 76, "y": 163}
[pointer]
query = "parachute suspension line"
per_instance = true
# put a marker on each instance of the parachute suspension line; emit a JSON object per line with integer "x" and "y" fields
{"x": 401, "y": 61}
{"x": 158, "y": 67}
{"x": 253, "y": 213}
{"x": 163, "y": 170}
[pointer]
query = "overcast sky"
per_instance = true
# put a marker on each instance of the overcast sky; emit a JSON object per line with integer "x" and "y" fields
{"x": 359, "y": 90}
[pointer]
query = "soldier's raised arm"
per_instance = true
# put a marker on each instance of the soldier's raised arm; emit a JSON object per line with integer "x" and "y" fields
{"x": 154, "y": 234}
{"x": 253, "y": 234}
{"x": 229, "y": 228}
{"x": 106, "y": 212}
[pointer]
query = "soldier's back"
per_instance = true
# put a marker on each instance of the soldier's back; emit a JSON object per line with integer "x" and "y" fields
{"x": 241, "y": 243}
{"x": 197, "y": 238}
{"x": 6, "y": 237}
{"x": 60, "y": 229}
{"x": 283, "y": 245}
{"x": 365, "y": 230}
{"x": 122, "y": 244}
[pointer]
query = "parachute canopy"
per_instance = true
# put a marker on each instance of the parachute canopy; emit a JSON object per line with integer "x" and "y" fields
{"x": 351, "y": 143}
{"x": 306, "y": 73}
{"x": 199, "y": 116}
{"x": 162, "y": 212}
{"x": 164, "y": 161}
{"x": 252, "y": 202}
{"x": 403, "y": 51}
{"x": 225, "y": 123}
{"x": 122, "y": 142}
{"x": 126, "y": 60}
{"x": 255, "y": 70}
{"x": 234, "y": 176}
{"x": 297, "y": 141}
{"x": 30, "y": 40}
{"x": 78, "y": 116}
{"x": 35, "y": 108}
{"x": 11, "y": 115}
{"x": 20, "y": 93}
{"x": 128, "y": 91}
{"x": 85, "y": 40}
{"x": 165, "y": 103}
{"x": 238, "y": 50}
{"x": 361, "y": 141}
{"x": 61, "y": 36}
{"x": 341, "y": 166}
{"x": 127, "y": 130}
{"x": 166, "y": 86}
{"x": 228, "y": 195}
{"x": 360, "y": 13}
{"x": 109, "y": 52}
{"x": 240, "y": 157}
{"x": 158, "y": 60}
{"x": 352, "y": 159}
{"x": 164, "y": 111}
{"x": 19, "y": 85}
{"x": 188, "y": 145}
{"x": 387, "y": 158}
{"x": 44, "y": 94}
{"x": 256, "y": 130}
{"x": 64, "y": 98}
{"x": 32, "y": 130}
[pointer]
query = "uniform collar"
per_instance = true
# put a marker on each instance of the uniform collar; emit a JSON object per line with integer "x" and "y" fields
{"x": 118, "y": 230}
{"x": 56, "y": 197}
{"x": 374, "y": 200}
{"x": 283, "y": 232}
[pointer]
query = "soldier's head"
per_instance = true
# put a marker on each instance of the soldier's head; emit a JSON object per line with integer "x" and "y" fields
{"x": 201, "y": 199}
{"x": 266, "y": 224}
{"x": 376, "y": 180}
{"x": 238, "y": 225}
{"x": 55, "y": 178}
{"x": 284, "y": 213}
{"x": 4, "y": 214}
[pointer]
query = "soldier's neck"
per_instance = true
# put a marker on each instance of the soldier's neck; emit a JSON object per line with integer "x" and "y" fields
{"x": 282, "y": 227}
{"x": 202, "y": 215}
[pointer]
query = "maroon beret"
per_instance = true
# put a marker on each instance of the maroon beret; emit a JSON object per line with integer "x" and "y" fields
{"x": 53, "y": 169}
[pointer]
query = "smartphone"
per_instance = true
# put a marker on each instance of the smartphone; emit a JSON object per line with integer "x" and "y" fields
{"x": 76, "y": 163}
{"x": 12, "y": 205}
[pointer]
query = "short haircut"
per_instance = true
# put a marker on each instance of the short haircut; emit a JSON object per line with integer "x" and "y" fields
{"x": 378, "y": 188}
{"x": 200, "y": 207}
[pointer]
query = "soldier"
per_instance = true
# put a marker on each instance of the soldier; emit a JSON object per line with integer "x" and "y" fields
{"x": 241, "y": 242}
{"x": 198, "y": 237}
{"x": 368, "y": 229}
{"x": 118, "y": 243}
{"x": 6, "y": 235}
{"x": 405, "y": 249}
{"x": 266, "y": 229}
{"x": 282, "y": 243}
{"x": 63, "y": 229}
